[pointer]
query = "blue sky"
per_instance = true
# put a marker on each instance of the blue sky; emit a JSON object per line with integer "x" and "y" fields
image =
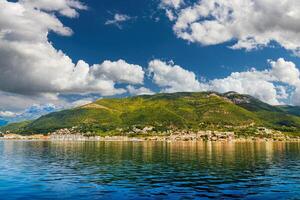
{"x": 144, "y": 46}
{"x": 143, "y": 39}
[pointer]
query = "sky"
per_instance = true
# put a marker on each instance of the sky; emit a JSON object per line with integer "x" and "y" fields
{"x": 59, "y": 54}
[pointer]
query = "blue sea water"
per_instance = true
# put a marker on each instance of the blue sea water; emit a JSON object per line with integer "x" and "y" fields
{"x": 149, "y": 170}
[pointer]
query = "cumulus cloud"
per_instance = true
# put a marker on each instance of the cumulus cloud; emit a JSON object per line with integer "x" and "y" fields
{"x": 18, "y": 102}
{"x": 117, "y": 20}
{"x": 296, "y": 96}
{"x": 282, "y": 93}
{"x": 269, "y": 85}
{"x": 100, "y": 78}
{"x": 285, "y": 71}
{"x": 34, "y": 72}
{"x": 172, "y": 3}
{"x": 30, "y": 113}
{"x": 119, "y": 71}
{"x": 139, "y": 91}
{"x": 15, "y": 107}
{"x": 64, "y": 7}
{"x": 173, "y": 78}
{"x": 255, "y": 83}
{"x": 82, "y": 102}
{"x": 6, "y": 114}
{"x": 29, "y": 63}
{"x": 251, "y": 23}
{"x": 169, "y": 6}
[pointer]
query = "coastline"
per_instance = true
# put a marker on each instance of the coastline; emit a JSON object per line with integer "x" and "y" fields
{"x": 174, "y": 138}
{"x": 148, "y": 134}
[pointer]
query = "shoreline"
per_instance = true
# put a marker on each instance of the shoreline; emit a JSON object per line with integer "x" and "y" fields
{"x": 147, "y": 134}
{"x": 80, "y": 138}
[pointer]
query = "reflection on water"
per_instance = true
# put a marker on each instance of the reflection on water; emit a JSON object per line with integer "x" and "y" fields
{"x": 149, "y": 170}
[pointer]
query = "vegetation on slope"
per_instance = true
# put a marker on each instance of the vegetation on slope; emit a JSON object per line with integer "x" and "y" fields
{"x": 293, "y": 110}
{"x": 188, "y": 111}
{"x": 15, "y": 127}
{"x": 283, "y": 118}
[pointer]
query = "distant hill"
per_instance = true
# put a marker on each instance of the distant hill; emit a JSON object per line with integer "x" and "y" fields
{"x": 15, "y": 127}
{"x": 197, "y": 111}
{"x": 293, "y": 110}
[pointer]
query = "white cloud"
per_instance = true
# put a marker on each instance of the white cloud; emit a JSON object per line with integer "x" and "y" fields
{"x": 251, "y": 23}
{"x": 296, "y": 96}
{"x": 29, "y": 63}
{"x": 169, "y": 6}
{"x": 17, "y": 102}
{"x": 254, "y": 83}
{"x": 173, "y": 78}
{"x": 29, "y": 113}
{"x": 34, "y": 72}
{"x": 22, "y": 23}
{"x": 118, "y": 20}
{"x": 139, "y": 91}
{"x": 26, "y": 107}
{"x": 64, "y": 7}
{"x": 119, "y": 71}
{"x": 268, "y": 85}
{"x": 172, "y": 3}
{"x": 285, "y": 71}
{"x": 81, "y": 102}
{"x": 170, "y": 14}
{"x": 100, "y": 78}
{"x": 282, "y": 92}
{"x": 7, "y": 114}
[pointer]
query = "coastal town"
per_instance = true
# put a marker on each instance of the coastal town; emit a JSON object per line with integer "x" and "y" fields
{"x": 147, "y": 134}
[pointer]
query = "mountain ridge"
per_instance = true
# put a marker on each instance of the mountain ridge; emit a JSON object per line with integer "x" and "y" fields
{"x": 163, "y": 111}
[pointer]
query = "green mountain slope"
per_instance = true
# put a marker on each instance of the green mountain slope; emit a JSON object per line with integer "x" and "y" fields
{"x": 283, "y": 118}
{"x": 250, "y": 103}
{"x": 15, "y": 127}
{"x": 293, "y": 110}
{"x": 197, "y": 111}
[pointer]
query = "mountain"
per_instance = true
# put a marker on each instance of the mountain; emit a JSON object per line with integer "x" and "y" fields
{"x": 15, "y": 127}
{"x": 250, "y": 103}
{"x": 284, "y": 118}
{"x": 203, "y": 110}
{"x": 293, "y": 110}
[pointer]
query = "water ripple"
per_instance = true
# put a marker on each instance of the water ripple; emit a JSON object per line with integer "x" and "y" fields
{"x": 149, "y": 170}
